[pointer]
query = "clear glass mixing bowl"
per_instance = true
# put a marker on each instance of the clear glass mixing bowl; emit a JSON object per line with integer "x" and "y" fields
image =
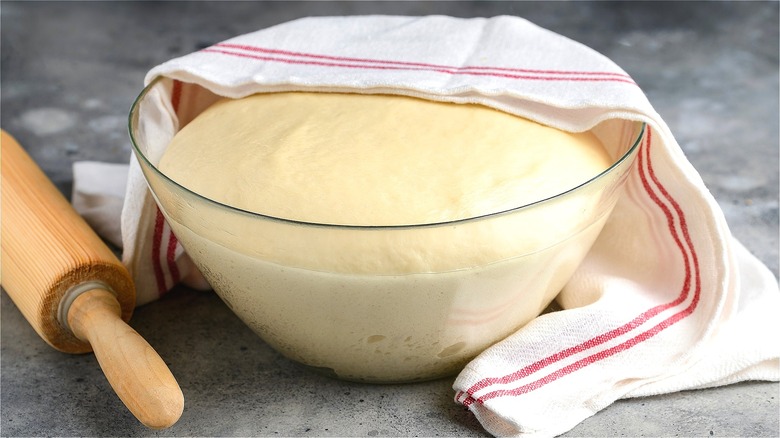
{"x": 286, "y": 279}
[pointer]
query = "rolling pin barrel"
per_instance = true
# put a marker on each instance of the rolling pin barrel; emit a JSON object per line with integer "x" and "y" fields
{"x": 74, "y": 291}
{"x": 48, "y": 249}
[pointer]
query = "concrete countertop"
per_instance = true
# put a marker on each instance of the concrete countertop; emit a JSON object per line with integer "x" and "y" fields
{"x": 70, "y": 71}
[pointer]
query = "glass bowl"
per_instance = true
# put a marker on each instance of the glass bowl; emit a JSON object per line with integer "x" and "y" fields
{"x": 288, "y": 282}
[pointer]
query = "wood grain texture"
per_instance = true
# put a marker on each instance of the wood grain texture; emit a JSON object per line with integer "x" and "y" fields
{"x": 48, "y": 248}
{"x": 138, "y": 375}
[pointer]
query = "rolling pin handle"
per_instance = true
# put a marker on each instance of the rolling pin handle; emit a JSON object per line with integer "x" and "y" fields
{"x": 57, "y": 271}
{"x": 72, "y": 294}
{"x": 133, "y": 368}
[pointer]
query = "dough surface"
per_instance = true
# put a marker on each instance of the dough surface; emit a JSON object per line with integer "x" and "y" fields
{"x": 355, "y": 159}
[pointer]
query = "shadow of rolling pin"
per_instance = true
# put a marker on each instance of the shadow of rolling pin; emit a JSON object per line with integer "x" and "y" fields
{"x": 74, "y": 291}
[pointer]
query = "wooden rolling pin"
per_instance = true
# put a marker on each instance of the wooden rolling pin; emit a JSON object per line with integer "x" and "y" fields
{"x": 73, "y": 291}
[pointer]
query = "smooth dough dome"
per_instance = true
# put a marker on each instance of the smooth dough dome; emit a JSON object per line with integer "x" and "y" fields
{"x": 370, "y": 160}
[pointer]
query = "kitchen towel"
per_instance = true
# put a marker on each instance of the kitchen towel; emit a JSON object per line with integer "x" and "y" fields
{"x": 666, "y": 300}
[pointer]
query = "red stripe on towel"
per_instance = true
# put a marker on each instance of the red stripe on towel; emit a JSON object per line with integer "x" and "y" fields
{"x": 160, "y": 225}
{"x": 176, "y": 95}
{"x": 418, "y": 64}
{"x": 159, "y": 222}
{"x": 170, "y": 257}
{"x": 372, "y": 66}
{"x": 636, "y": 322}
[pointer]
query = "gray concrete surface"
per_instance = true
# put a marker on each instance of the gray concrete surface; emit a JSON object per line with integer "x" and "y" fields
{"x": 70, "y": 71}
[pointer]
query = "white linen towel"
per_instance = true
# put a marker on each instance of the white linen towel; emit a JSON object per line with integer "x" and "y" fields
{"x": 666, "y": 300}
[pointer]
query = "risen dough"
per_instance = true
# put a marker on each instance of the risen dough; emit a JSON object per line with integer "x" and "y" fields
{"x": 383, "y": 304}
{"x": 374, "y": 159}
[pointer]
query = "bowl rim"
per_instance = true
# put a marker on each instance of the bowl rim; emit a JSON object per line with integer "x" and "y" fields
{"x": 138, "y": 153}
